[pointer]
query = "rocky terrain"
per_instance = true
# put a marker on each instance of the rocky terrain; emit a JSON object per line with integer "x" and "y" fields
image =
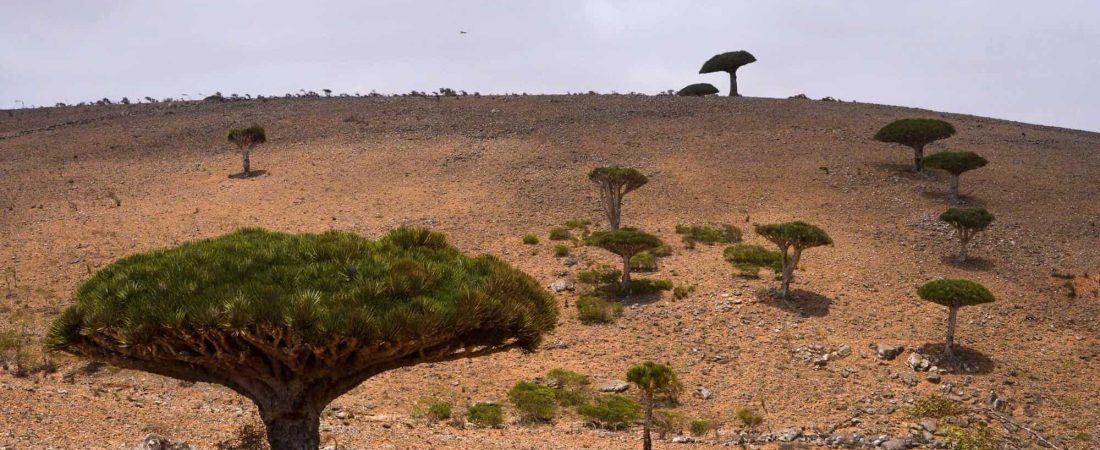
{"x": 81, "y": 187}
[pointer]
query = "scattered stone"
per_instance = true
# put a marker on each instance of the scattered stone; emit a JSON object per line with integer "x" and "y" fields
{"x": 569, "y": 261}
{"x": 683, "y": 440}
{"x": 887, "y": 352}
{"x": 561, "y": 285}
{"x": 933, "y": 377}
{"x": 918, "y": 362}
{"x": 157, "y": 442}
{"x": 789, "y": 434}
{"x": 909, "y": 379}
{"x": 895, "y": 444}
{"x": 703, "y": 393}
{"x": 614, "y": 386}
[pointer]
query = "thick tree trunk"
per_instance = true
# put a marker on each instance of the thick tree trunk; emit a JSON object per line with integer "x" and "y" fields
{"x": 626, "y": 274}
{"x": 733, "y": 85}
{"x": 247, "y": 170}
{"x": 954, "y": 189}
{"x": 788, "y": 272}
{"x": 964, "y": 245}
{"x": 292, "y": 429}
{"x": 647, "y": 441}
{"x": 949, "y": 344}
{"x": 918, "y": 158}
{"x": 616, "y": 211}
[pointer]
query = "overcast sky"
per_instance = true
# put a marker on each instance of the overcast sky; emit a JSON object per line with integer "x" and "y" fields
{"x": 1023, "y": 60}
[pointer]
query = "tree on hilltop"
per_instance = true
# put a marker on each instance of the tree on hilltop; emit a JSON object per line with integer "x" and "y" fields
{"x": 916, "y": 134}
{"x": 728, "y": 62}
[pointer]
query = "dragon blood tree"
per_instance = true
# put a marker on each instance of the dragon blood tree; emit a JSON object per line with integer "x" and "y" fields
{"x": 615, "y": 182}
{"x": 954, "y": 294}
{"x": 294, "y": 321}
{"x": 956, "y": 164}
{"x": 728, "y": 62}
{"x": 915, "y": 134}
{"x": 247, "y": 139}
{"x": 967, "y": 223}
{"x": 625, "y": 242}
{"x": 792, "y": 238}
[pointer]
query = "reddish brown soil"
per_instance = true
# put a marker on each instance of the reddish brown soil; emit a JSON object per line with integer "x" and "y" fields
{"x": 488, "y": 170}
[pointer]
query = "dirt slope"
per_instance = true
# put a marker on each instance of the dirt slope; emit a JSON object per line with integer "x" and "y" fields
{"x": 488, "y": 170}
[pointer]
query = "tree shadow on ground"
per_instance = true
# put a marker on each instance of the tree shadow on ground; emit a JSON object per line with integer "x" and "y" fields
{"x": 965, "y": 201}
{"x": 802, "y": 302}
{"x": 971, "y": 264}
{"x": 906, "y": 171}
{"x": 967, "y": 360}
{"x": 253, "y": 174}
{"x": 614, "y": 292}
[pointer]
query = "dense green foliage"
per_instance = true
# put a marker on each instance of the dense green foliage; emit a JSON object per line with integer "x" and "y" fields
{"x": 485, "y": 414}
{"x": 750, "y": 258}
{"x": 530, "y": 239}
{"x": 534, "y": 402}
{"x": 934, "y": 406}
{"x": 727, "y": 62}
{"x": 439, "y": 411}
{"x": 915, "y": 132}
{"x": 247, "y": 137}
{"x": 599, "y": 275}
{"x": 955, "y": 163}
{"x": 572, "y": 388}
{"x": 700, "y": 427}
{"x": 975, "y": 219}
{"x": 629, "y": 179}
{"x": 691, "y": 234}
{"x": 612, "y": 411}
{"x": 625, "y": 242}
{"x": 640, "y": 286}
{"x": 955, "y": 293}
{"x": 799, "y": 235}
{"x": 653, "y": 378}
{"x": 644, "y": 262}
{"x": 592, "y": 310}
{"x": 406, "y": 286}
{"x": 697, "y": 90}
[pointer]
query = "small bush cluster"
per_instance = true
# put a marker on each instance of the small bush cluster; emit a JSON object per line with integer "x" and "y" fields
{"x": 487, "y": 415}
{"x": 748, "y": 259}
{"x": 666, "y": 421}
{"x": 572, "y": 388}
{"x": 592, "y": 309}
{"x": 578, "y": 224}
{"x": 692, "y": 234}
{"x": 975, "y": 438}
{"x": 612, "y": 411}
{"x": 560, "y": 234}
{"x": 642, "y": 286}
{"x": 700, "y": 427}
{"x": 683, "y": 291}
{"x": 533, "y": 402}
{"x": 530, "y": 239}
{"x": 599, "y": 275}
{"x": 934, "y": 406}
{"x": 561, "y": 251}
{"x": 748, "y": 417}
{"x": 644, "y": 262}
{"x": 439, "y": 411}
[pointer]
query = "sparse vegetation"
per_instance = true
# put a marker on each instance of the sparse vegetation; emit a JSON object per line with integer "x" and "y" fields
{"x": 578, "y": 224}
{"x": 652, "y": 379}
{"x": 614, "y": 183}
{"x": 592, "y": 309}
{"x": 667, "y": 421}
{"x": 916, "y": 134}
{"x": 977, "y": 437}
{"x": 612, "y": 411}
{"x": 748, "y": 259}
{"x": 934, "y": 406}
{"x": 967, "y": 223}
{"x": 792, "y": 238}
{"x": 955, "y": 163}
{"x": 691, "y": 234}
{"x": 530, "y": 239}
{"x": 247, "y": 139}
{"x": 954, "y": 294}
{"x": 486, "y": 415}
{"x": 560, "y": 234}
{"x": 700, "y": 427}
{"x": 533, "y": 402}
{"x": 599, "y": 275}
{"x": 266, "y": 295}
{"x": 249, "y": 437}
{"x": 572, "y": 388}
{"x": 729, "y": 62}
{"x": 561, "y": 251}
{"x": 683, "y": 291}
{"x": 748, "y": 417}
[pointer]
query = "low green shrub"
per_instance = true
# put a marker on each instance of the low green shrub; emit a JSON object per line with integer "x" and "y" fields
{"x": 750, "y": 258}
{"x": 439, "y": 411}
{"x": 530, "y": 239}
{"x": 572, "y": 388}
{"x": 748, "y": 417}
{"x": 560, "y": 234}
{"x": 681, "y": 292}
{"x": 561, "y": 251}
{"x": 691, "y": 234}
{"x": 599, "y": 275}
{"x": 578, "y": 224}
{"x": 974, "y": 438}
{"x": 533, "y": 402}
{"x": 666, "y": 421}
{"x": 934, "y": 406}
{"x": 593, "y": 309}
{"x": 642, "y": 286}
{"x": 700, "y": 427}
{"x": 612, "y": 411}
{"x": 485, "y": 415}
{"x": 643, "y": 262}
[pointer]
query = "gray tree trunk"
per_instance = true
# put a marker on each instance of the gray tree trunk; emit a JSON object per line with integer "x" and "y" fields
{"x": 290, "y": 429}
{"x": 964, "y": 245}
{"x": 918, "y": 158}
{"x": 647, "y": 441}
{"x": 788, "y": 271}
{"x": 954, "y": 188}
{"x": 626, "y": 274}
{"x": 949, "y": 344}
{"x": 733, "y": 84}
{"x": 247, "y": 163}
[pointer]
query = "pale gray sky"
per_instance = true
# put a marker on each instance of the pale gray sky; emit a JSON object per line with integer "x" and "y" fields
{"x": 1023, "y": 60}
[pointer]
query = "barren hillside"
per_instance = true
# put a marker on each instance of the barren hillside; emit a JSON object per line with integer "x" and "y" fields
{"x": 81, "y": 187}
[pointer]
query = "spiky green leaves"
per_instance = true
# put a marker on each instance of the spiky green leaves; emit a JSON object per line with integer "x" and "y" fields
{"x": 974, "y": 219}
{"x": 408, "y": 286}
{"x": 955, "y": 162}
{"x": 727, "y": 62}
{"x": 798, "y": 234}
{"x": 625, "y": 178}
{"x": 247, "y": 137}
{"x": 955, "y": 293}
{"x": 653, "y": 378}
{"x": 625, "y": 242}
{"x": 915, "y": 132}
{"x": 697, "y": 90}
